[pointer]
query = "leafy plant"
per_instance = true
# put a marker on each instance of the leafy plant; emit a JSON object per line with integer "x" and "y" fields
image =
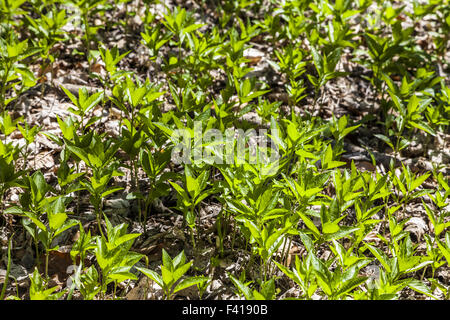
{"x": 114, "y": 256}
{"x": 14, "y": 75}
{"x": 193, "y": 193}
{"x": 326, "y": 69}
{"x": 39, "y": 291}
{"x": 267, "y": 291}
{"x": 171, "y": 279}
{"x": 98, "y": 155}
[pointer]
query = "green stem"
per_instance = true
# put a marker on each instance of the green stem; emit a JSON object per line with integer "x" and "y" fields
{"x": 36, "y": 246}
{"x": 99, "y": 221}
{"x": 3, "y": 90}
{"x": 78, "y": 192}
{"x": 146, "y": 209}
{"x": 86, "y": 27}
{"x": 192, "y": 237}
{"x": 25, "y": 157}
{"x": 234, "y": 237}
{"x": 8, "y": 269}
{"x": 47, "y": 253}
{"x": 2, "y": 199}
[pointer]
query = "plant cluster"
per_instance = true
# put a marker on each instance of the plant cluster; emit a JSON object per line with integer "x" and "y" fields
{"x": 345, "y": 219}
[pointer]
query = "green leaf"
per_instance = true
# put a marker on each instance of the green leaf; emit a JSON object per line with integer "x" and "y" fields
{"x": 351, "y": 284}
{"x": 309, "y": 224}
{"x": 152, "y": 275}
{"x": 180, "y": 191}
{"x": 167, "y": 260}
{"x": 36, "y": 221}
{"x": 167, "y": 276}
{"x": 125, "y": 238}
{"x": 330, "y": 227}
{"x": 66, "y": 225}
{"x": 385, "y": 139}
{"x": 380, "y": 256}
{"x": 70, "y": 95}
{"x": 181, "y": 270}
{"x": 192, "y": 27}
{"x": 121, "y": 274}
{"x": 318, "y": 61}
{"x": 445, "y": 251}
{"x": 56, "y": 220}
{"x": 80, "y": 153}
{"x": 418, "y": 181}
{"x": 343, "y": 232}
{"x": 109, "y": 191}
{"x": 242, "y": 288}
{"x": 192, "y": 186}
{"x": 423, "y": 126}
{"x": 188, "y": 282}
{"x": 421, "y": 287}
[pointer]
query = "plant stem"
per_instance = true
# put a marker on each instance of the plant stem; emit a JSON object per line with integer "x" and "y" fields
{"x": 78, "y": 192}
{"x": 99, "y": 221}
{"x": 86, "y": 27}
{"x": 8, "y": 269}
{"x": 47, "y": 253}
{"x": 36, "y": 245}
{"x": 3, "y": 90}
{"x": 2, "y": 199}
{"x": 192, "y": 237}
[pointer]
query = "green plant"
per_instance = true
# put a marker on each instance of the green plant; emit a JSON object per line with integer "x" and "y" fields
{"x": 29, "y": 133}
{"x": 192, "y": 194}
{"x": 267, "y": 291}
{"x": 57, "y": 223}
{"x": 98, "y": 155}
{"x": 111, "y": 58}
{"x": 114, "y": 256}
{"x": 9, "y": 9}
{"x": 47, "y": 30}
{"x": 154, "y": 40}
{"x": 14, "y": 74}
{"x": 88, "y": 282}
{"x": 84, "y": 103}
{"x": 324, "y": 210}
{"x": 171, "y": 279}
{"x": 9, "y": 176}
{"x": 87, "y": 9}
{"x": 39, "y": 291}
{"x": 326, "y": 69}
{"x": 8, "y": 269}
{"x": 180, "y": 23}
{"x": 154, "y": 163}
{"x": 33, "y": 203}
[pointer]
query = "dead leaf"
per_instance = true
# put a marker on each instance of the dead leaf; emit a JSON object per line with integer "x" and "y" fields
{"x": 44, "y": 160}
{"x": 58, "y": 264}
{"x": 141, "y": 290}
{"x": 253, "y": 60}
{"x": 372, "y": 236}
{"x": 417, "y": 226}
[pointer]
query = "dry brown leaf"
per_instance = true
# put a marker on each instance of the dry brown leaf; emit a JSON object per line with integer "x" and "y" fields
{"x": 253, "y": 60}
{"x": 44, "y": 160}
{"x": 141, "y": 290}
